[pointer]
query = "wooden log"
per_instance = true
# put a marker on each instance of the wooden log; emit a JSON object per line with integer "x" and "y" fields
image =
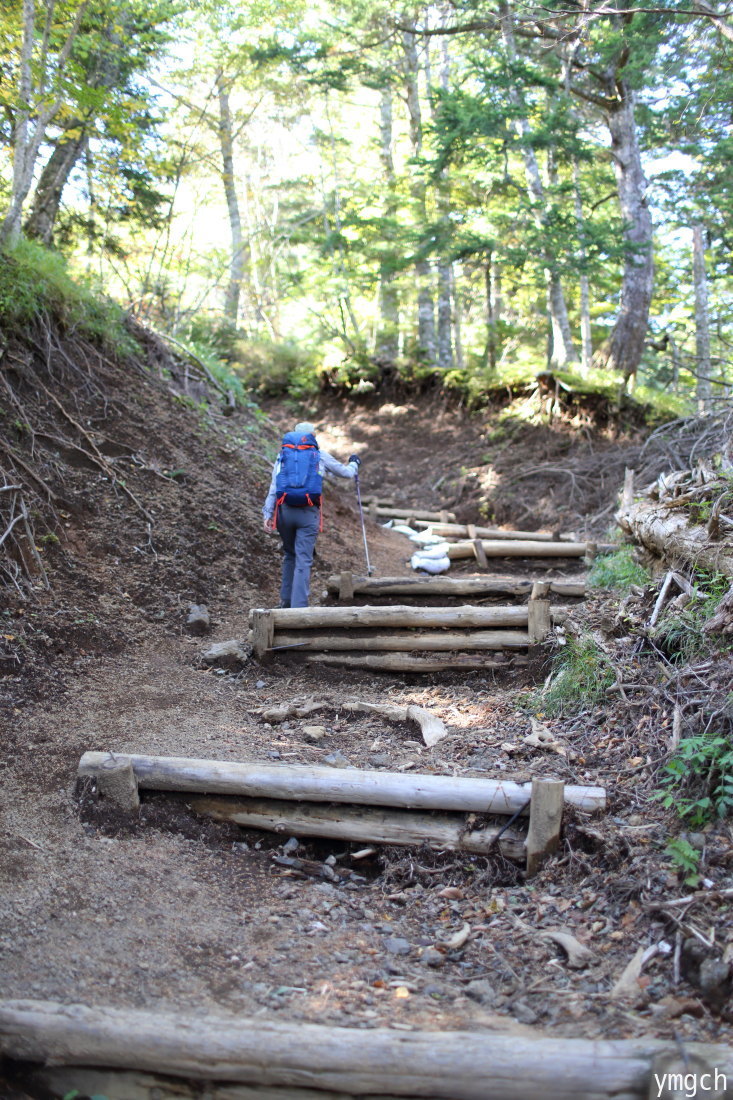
{"x": 402, "y": 641}
{"x": 414, "y": 514}
{"x": 663, "y": 529}
{"x": 515, "y": 548}
{"x": 262, "y": 627}
{"x": 545, "y": 821}
{"x": 117, "y": 784}
{"x": 64, "y": 1081}
{"x": 452, "y": 586}
{"x": 463, "y": 531}
{"x": 323, "y": 784}
{"x": 371, "y": 825}
{"x": 404, "y": 662}
{"x": 443, "y": 1065}
{"x": 397, "y": 615}
{"x": 540, "y": 590}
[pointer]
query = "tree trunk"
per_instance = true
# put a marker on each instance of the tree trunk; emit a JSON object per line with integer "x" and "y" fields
{"x": 426, "y": 341}
{"x": 666, "y": 532}
{"x": 624, "y": 348}
{"x": 397, "y": 616}
{"x": 47, "y": 198}
{"x": 436, "y": 1065}
{"x": 563, "y": 350}
{"x": 516, "y": 548}
{"x": 445, "y": 317}
{"x": 702, "y": 324}
{"x": 586, "y": 341}
{"x": 226, "y": 143}
{"x": 387, "y": 343}
{"x": 401, "y": 641}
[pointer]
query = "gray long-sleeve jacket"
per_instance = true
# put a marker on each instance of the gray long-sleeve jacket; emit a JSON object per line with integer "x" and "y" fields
{"x": 327, "y": 464}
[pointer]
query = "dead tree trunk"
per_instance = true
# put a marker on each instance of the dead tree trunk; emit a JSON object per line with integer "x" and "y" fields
{"x": 702, "y": 324}
{"x": 226, "y": 143}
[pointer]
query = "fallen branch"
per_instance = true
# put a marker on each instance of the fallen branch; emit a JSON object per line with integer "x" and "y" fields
{"x": 458, "y": 1065}
{"x": 432, "y": 728}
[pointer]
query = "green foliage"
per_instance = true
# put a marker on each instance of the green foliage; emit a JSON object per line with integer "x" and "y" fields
{"x": 35, "y": 280}
{"x": 617, "y": 571}
{"x": 685, "y": 858}
{"x": 680, "y": 633}
{"x": 581, "y": 673}
{"x": 698, "y": 780}
{"x": 273, "y": 368}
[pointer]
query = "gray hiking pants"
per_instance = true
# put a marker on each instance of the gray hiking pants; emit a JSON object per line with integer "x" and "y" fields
{"x": 298, "y": 529}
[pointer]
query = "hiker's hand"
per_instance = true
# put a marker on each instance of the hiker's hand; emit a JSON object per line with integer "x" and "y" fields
{"x": 356, "y": 459}
{"x": 269, "y": 525}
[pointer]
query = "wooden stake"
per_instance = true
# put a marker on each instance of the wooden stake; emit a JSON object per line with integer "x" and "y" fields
{"x": 539, "y": 621}
{"x": 545, "y": 820}
{"x": 117, "y": 784}
{"x": 346, "y": 586}
{"x": 263, "y": 631}
{"x": 323, "y": 784}
{"x": 540, "y": 590}
{"x": 478, "y": 549}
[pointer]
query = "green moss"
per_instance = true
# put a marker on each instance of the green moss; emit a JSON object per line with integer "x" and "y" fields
{"x": 35, "y": 280}
{"x": 617, "y": 571}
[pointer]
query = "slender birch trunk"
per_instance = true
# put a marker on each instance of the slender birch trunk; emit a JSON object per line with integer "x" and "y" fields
{"x": 423, "y": 274}
{"x": 563, "y": 349}
{"x": 226, "y": 144}
{"x": 702, "y": 323}
{"x": 586, "y": 342}
{"x": 387, "y": 342}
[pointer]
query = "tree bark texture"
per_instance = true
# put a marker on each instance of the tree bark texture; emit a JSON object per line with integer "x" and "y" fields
{"x": 322, "y": 784}
{"x": 624, "y": 348}
{"x": 406, "y": 662}
{"x": 516, "y": 548}
{"x": 47, "y": 196}
{"x": 666, "y": 532}
{"x": 338, "y": 618}
{"x": 457, "y": 1065}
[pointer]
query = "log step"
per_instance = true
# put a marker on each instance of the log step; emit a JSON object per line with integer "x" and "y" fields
{"x": 443, "y": 1065}
{"x": 346, "y": 586}
{"x": 323, "y": 784}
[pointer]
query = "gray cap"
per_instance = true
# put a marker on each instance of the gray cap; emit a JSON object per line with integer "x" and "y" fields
{"x": 305, "y": 428}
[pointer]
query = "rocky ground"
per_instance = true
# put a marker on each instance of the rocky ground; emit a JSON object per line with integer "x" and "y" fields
{"x": 177, "y": 911}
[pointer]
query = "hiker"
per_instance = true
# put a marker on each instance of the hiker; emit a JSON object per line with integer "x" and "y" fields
{"x": 293, "y": 506}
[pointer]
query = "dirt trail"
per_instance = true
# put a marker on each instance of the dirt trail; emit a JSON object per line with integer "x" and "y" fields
{"x": 185, "y": 913}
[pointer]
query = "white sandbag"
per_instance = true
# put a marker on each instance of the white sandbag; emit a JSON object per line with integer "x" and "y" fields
{"x": 427, "y": 538}
{"x": 440, "y": 550}
{"x": 403, "y": 529}
{"x": 430, "y": 564}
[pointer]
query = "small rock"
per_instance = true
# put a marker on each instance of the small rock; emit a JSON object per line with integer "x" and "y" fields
{"x": 379, "y": 759}
{"x": 340, "y": 957}
{"x": 697, "y": 840}
{"x": 482, "y": 991}
{"x": 715, "y": 980}
{"x": 240, "y": 846}
{"x": 230, "y": 655}
{"x": 523, "y": 1013}
{"x": 274, "y": 754}
{"x": 432, "y": 957}
{"x": 314, "y": 734}
{"x": 199, "y": 620}
{"x": 260, "y": 684}
{"x": 336, "y": 760}
{"x": 396, "y": 945}
{"x": 291, "y": 845}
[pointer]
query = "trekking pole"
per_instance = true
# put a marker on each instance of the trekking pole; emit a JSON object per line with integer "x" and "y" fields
{"x": 363, "y": 527}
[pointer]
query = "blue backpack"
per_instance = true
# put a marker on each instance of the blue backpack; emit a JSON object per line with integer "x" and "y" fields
{"x": 299, "y": 482}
